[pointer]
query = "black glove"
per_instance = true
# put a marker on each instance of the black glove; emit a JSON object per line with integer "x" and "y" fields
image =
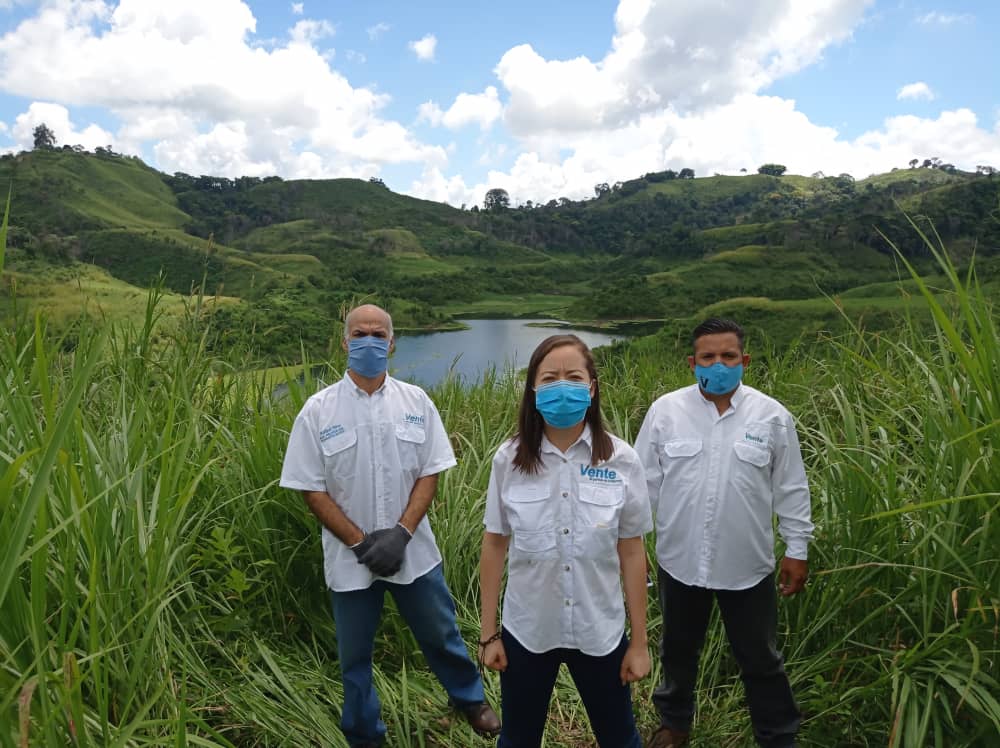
{"x": 359, "y": 548}
{"x": 385, "y": 555}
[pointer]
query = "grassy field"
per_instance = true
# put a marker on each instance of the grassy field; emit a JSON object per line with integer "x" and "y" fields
{"x": 158, "y": 589}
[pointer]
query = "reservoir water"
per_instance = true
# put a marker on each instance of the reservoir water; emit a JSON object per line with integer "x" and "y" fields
{"x": 488, "y": 343}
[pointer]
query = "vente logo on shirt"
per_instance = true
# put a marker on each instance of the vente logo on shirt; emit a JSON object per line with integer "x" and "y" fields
{"x": 599, "y": 475}
{"x": 331, "y": 431}
{"x": 410, "y": 418}
{"x": 760, "y": 441}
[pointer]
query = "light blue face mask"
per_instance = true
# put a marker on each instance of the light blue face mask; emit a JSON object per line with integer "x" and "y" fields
{"x": 563, "y": 404}
{"x": 719, "y": 379}
{"x": 368, "y": 356}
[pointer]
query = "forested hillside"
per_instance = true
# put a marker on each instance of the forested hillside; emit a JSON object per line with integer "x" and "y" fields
{"x": 279, "y": 258}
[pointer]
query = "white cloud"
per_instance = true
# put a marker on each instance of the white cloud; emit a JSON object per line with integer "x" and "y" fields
{"x": 374, "y": 32}
{"x": 483, "y": 109}
{"x": 685, "y": 55}
{"x": 298, "y": 9}
{"x": 352, "y": 55}
{"x": 56, "y": 118}
{"x": 771, "y": 130}
{"x": 308, "y": 31}
{"x": 186, "y": 82}
{"x": 918, "y": 90}
{"x": 936, "y": 18}
{"x": 424, "y": 47}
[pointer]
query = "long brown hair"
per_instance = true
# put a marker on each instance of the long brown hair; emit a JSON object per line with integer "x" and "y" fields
{"x": 531, "y": 425}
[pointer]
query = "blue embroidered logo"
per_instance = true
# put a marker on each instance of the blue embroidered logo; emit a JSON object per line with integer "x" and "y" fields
{"x": 331, "y": 431}
{"x": 417, "y": 420}
{"x": 755, "y": 439}
{"x": 600, "y": 475}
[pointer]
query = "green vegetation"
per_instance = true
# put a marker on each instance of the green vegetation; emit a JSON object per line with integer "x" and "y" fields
{"x": 158, "y": 588}
{"x": 287, "y": 256}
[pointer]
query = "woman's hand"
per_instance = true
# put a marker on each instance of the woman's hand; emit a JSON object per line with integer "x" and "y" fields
{"x": 495, "y": 656}
{"x": 635, "y": 663}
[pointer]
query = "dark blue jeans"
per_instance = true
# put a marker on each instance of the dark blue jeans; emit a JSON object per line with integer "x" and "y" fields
{"x": 751, "y": 619}
{"x": 526, "y": 687}
{"x": 428, "y": 609}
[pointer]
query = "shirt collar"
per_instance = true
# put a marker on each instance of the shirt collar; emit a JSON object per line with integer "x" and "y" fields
{"x": 585, "y": 436}
{"x": 353, "y": 388}
{"x": 734, "y": 401}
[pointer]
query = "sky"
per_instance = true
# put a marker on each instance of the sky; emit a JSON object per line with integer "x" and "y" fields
{"x": 446, "y": 100}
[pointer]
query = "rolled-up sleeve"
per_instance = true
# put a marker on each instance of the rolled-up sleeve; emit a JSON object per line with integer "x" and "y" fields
{"x": 436, "y": 452}
{"x": 494, "y": 520}
{"x": 637, "y": 517}
{"x": 303, "y": 468}
{"x": 790, "y": 491}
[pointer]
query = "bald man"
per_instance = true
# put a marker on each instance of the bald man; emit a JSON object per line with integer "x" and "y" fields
{"x": 365, "y": 453}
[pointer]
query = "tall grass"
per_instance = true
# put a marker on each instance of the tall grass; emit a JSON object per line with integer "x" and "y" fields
{"x": 158, "y": 588}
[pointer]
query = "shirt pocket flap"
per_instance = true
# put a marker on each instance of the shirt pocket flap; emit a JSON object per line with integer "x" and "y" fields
{"x": 753, "y": 455}
{"x": 682, "y": 447}
{"x": 411, "y": 432}
{"x": 534, "y": 541}
{"x": 601, "y": 495}
{"x": 340, "y": 442}
{"x": 520, "y": 494}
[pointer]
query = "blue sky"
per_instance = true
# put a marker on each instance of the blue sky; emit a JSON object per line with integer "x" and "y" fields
{"x": 545, "y": 99}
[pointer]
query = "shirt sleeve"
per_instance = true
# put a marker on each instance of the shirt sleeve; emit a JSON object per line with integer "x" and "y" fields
{"x": 636, "y": 518}
{"x": 436, "y": 453}
{"x": 303, "y": 468}
{"x": 648, "y": 449}
{"x": 790, "y": 489}
{"x": 495, "y": 521}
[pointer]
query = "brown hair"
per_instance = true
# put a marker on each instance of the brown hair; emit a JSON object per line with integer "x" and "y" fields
{"x": 531, "y": 425}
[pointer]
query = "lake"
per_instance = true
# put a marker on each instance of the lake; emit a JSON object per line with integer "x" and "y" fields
{"x": 499, "y": 343}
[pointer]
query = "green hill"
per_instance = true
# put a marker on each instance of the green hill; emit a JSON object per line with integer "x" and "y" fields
{"x": 290, "y": 254}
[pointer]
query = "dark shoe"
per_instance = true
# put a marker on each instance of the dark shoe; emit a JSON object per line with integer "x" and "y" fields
{"x": 481, "y": 718}
{"x": 666, "y": 737}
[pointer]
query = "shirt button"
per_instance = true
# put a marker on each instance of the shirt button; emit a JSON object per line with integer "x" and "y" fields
{"x": 565, "y": 494}
{"x": 567, "y": 603}
{"x": 566, "y": 567}
{"x": 565, "y": 531}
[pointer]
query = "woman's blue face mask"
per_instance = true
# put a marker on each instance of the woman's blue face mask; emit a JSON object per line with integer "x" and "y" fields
{"x": 368, "y": 356}
{"x": 563, "y": 404}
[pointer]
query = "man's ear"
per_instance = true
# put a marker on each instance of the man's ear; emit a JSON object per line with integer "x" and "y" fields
{"x": 343, "y": 343}
{"x": 392, "y": 345}
{"x": 746, "y": 360}
{"x": 691, "y": 362}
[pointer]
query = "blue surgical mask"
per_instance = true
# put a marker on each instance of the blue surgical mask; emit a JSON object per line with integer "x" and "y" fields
{"x": 368, "y": 356}
{"x": 719, "y": 379}
{"x": 563, "y": 404}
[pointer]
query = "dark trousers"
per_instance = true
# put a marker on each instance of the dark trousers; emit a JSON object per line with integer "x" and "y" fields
{"x": 751, "y": 618}
{"x": 526, "y": 687}
{"x": 429, "y": 611}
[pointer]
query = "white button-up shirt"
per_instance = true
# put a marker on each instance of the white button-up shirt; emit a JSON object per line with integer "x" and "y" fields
{"x": 715, "y": 482}
{"x": 366, "y": 452}
{"x": 563, "y": 576}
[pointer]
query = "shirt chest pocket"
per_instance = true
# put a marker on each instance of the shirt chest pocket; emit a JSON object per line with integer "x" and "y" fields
{"x": 340, "y": 456}
{"x": 752, "y": 456}
{"x": 599, "y": 506}
{"x": 528, "y": 509}
{"x": 410, "y": 439}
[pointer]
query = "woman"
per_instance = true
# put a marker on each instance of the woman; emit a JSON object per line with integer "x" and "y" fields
{"x": 572, "y": 499}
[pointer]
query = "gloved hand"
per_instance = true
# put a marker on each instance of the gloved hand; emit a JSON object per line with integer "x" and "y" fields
{"x": 385, "y": 555}
{"x": 360, "y": 548}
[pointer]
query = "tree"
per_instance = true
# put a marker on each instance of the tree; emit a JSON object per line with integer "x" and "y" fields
{"x": 685, "y": 173}
{"x": 376, "y": 181}
{"x": 914, "y": 162}
{"x": 774, "y": 170}
{"x": 496, "y": 199}
{"x": 45, "y": 139}
{"x": 601, "y": 189}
